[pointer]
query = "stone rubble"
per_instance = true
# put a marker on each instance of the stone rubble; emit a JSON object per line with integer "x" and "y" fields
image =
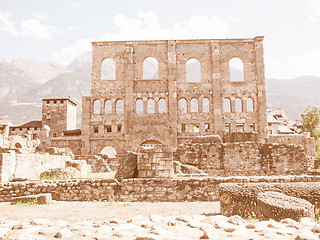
{"x": 157, "y": 227}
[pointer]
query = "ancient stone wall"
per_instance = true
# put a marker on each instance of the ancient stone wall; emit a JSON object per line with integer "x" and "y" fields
{"x": 303, "y": 140}
{"x": 28, "y": 165}
{"x": 245, "y": 158}
{"x": 71, "y": 143}
{"x": 127, "y": 107}
{"x": 155, "y": 162}
{"x": 150, "y": 190}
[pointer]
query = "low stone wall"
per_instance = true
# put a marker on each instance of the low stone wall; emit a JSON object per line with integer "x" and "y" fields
{"x": 28, "y": 165}
{"x": 245, "y": 158}
{"x": 303, "y": 140}
{"x": 150, "y": 190}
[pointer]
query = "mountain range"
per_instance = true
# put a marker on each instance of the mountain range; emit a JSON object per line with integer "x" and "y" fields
{"x": 23, "y": 83}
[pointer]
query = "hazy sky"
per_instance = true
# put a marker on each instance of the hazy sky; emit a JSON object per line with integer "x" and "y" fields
{"x": 60, "y": 30}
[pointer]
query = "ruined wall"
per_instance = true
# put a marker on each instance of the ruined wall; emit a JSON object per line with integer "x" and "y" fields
{"x": 246, "y": 158}
{"x": 136, "y": 190}
{"x": 111, "y": 112}
{"x": 155, "y": 162}
{"x": 303, "y": 140}
{"x": 72, "y": 143}
{"x": 28, "y": 165}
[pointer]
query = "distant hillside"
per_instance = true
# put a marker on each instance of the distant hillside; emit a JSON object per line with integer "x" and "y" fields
{"x": 294, "y": 95}
{"x": 21, "y": 91}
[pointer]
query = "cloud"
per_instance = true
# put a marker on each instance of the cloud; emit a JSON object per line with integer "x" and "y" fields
{"x": 73, "y": 27}
{"x": 7, "y": 25}
{"x": 146, "y": 26}
{"x": 39, "y": 16}
{"x": 314, "y": 9}
{"x": 306, "y": 65}
{"x": 33, "y": 27}
{"x": 68, "y": 54}
{"x": 77, "y": 4}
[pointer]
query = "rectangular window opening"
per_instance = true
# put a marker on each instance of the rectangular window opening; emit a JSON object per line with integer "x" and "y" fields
{"x": 227, "y": 127}
{"x": 195, "y": 128}
{"x": 183, "y": 127}
{"x": 119, "y": 127}
{"x": 239, "y": 127}
{"x": 108, "y": 128}
{"x": 207, "y": 127}
{"x": 95, "y": 129}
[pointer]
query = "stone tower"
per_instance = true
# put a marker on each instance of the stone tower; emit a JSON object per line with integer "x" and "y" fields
{"x": 59, "y": 114}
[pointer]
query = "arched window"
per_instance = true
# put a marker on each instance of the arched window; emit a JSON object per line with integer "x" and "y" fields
{"x": 150, "y": 68}
{"x": 193, "y": 71}
{"x": 183, "y": 105}
{"x": 205, "y": 105}
{"x": 151, "y": 106}
{"x": 162, "y": 106}
{"x": 96, "y": 107}
{"x": 108, "y": 107}
{"x": 238, "y": 105}
{"x": 236, "y": 69}
{"x": 194, "y": 105}
{"x": 139, "y": 106}
{"x": 108, "y": 69}
{"x": 250, "y": 105}
{"x": 119, "y": 107}
{"x": 226, "y": 105}
{"x": 109, "y": 151}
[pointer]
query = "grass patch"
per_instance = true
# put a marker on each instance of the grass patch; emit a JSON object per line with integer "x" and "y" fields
{"x": 31, "y": 202}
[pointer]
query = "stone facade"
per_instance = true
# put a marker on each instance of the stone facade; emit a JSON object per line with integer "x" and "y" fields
{"x": 129, "y": 108}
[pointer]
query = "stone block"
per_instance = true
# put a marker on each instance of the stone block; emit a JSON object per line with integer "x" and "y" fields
{"x": 43, "y": 198}
{"x": 277, "y": 206}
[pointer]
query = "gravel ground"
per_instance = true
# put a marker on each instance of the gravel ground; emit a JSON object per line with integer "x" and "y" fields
{"x": 98, "y": 211}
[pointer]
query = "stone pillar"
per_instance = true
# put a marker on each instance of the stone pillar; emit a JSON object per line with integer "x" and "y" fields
{"x": 172, "y": 93}
{"x": 216, "y": 102}
{"x": 155, "y": 162}
{"x": 261, "y": 98}
{"x": 129, "y": 100}
{"x": 85, "y": 125}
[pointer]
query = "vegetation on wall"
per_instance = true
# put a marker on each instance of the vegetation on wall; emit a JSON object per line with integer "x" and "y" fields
{"x": 310, "y": 123}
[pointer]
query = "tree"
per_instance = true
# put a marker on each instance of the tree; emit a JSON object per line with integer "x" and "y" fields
{"x": 310, "y": 123}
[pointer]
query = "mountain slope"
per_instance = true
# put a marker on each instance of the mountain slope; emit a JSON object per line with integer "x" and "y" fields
{"x": 40, "y": 72}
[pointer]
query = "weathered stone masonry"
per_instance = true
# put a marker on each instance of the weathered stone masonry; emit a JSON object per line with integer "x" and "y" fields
{"x": 162, "y": 190}
{"x": 119, "y": 124}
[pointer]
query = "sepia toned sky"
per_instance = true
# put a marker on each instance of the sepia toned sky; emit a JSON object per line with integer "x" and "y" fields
{"x": 60, "y": 30}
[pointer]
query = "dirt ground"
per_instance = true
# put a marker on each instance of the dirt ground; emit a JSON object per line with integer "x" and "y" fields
{"x": 99, "y": 211}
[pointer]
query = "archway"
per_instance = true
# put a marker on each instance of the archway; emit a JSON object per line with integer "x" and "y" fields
{"x": 109, "y": 151}
{"x": 17, "y": 145}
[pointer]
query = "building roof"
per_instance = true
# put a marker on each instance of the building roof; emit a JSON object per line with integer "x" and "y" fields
{"x": 284, "y": 129}
{"x": 31, "y": 124}
{"x": 75, "y": 132}
{"x": 59, "y": 98}
{"x": 271, "y": 119}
